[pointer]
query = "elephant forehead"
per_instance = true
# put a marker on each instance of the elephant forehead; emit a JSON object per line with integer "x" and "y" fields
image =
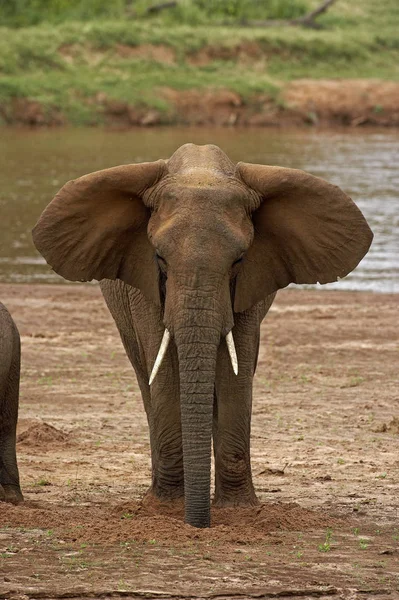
{"x": 204, "y": 191}
{"x": 198, "y": 214}
{"x": 206, "y": 231}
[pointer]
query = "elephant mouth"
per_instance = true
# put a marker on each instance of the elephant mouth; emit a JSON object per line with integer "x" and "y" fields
{"x": 165, "y": 343}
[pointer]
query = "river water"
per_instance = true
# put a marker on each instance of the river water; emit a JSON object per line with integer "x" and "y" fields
{"x": 35, "y": 164}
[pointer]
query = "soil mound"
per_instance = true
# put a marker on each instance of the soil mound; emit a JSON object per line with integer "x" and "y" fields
{"x": 151, "y": 522}
{"x": 42, "y": 433}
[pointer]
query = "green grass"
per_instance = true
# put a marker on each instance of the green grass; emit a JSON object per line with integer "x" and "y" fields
{"x": 326, "y": 545}
{"x": 65, "y": 66}
{"x": 19, "y": 13}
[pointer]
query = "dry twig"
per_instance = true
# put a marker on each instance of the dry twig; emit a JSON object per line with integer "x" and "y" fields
{"x": 306, "y": 21}
{"x": 153, "y": 9}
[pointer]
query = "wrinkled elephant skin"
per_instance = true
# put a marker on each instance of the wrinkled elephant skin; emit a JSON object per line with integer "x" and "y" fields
{"x": 190, "y": 251}
{"x": 10, "y": 353}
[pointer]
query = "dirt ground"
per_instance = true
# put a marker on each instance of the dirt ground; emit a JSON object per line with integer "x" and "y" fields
{"x": 324, "y": 453}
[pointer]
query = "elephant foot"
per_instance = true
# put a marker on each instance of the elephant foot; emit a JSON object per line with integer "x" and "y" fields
{"x": 233, "y": 481}
{"x": 167, "y": 485}
{"x": 166, "y": 493}
{"x": 11, "y": 494}
{"x": 235, "y": 496}
{"x": 226, "y": 502}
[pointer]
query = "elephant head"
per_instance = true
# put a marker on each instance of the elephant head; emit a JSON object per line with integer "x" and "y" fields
{"x": 204, "y": 239}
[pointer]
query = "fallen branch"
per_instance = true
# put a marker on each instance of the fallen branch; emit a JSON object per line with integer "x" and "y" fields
{"x": 151, "y": 10}
{"x": 306, "y": 21}
{"x": 155, "y": 8}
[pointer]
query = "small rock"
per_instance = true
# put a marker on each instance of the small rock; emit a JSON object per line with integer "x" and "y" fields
{"x": 151, "y": 118}
{"x": 274, "y": 470}
{"x": 381, "y": 428}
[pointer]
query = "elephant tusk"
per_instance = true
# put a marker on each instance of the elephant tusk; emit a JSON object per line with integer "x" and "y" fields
{"x": 160, "y": 356}
{"x": 232, "y": 351}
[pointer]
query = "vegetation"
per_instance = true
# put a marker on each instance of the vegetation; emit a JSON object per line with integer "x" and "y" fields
{"x": 70, "y": 55}
{"x": 22, "y": 13}
{"x": 326, "y": 545}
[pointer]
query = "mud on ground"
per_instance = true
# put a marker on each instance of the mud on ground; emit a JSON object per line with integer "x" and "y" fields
{"x": 324, "y": 448}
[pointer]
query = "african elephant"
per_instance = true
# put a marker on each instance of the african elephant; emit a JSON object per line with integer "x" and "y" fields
{"x": 10, "y": 359}
{"x": 191, "y": 252}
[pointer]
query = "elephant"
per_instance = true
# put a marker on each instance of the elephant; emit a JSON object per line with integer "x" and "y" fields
{"x": 190, "y": 253}
{"x": 10, "y": 360}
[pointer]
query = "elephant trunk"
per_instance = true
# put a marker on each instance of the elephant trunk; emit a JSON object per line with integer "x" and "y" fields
{"x": 197, "y": 335}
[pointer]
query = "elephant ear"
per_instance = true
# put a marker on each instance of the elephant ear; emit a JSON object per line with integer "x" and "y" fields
{"x": 96, "y": 228}
{"x": 305, "y": 231}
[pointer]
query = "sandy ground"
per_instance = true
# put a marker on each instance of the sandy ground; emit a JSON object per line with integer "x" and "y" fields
{"x": 324, "y": 449}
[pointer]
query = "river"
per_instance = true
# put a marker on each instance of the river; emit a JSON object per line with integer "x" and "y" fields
{"x": 35, "y": 164}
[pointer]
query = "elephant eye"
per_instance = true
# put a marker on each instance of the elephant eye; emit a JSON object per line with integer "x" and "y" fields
{"x": 160, "y": 259}
{"x": 238, "y": 261}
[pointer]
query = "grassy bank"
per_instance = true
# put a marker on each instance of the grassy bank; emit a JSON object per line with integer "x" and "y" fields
{"x": 145, "y": 70}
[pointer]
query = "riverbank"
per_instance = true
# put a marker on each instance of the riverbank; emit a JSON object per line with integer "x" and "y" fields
{"x": 323, "y": 103}
{"x": 130, "y": 73}
{"x": 324, "y": 455}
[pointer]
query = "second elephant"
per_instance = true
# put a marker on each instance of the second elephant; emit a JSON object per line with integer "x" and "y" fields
{"x": 10, "y": 360}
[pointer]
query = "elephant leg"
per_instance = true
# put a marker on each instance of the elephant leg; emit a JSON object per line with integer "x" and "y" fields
{"x": 140, "y": 326}
{"x": 232, "y": 417}
{"x": 10, "y": 490}
{"x": 232, "y": 411}
{"x": 162, "y": 406}
{"x": 166, "y": 449}
{"x": 231, "y": 439}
